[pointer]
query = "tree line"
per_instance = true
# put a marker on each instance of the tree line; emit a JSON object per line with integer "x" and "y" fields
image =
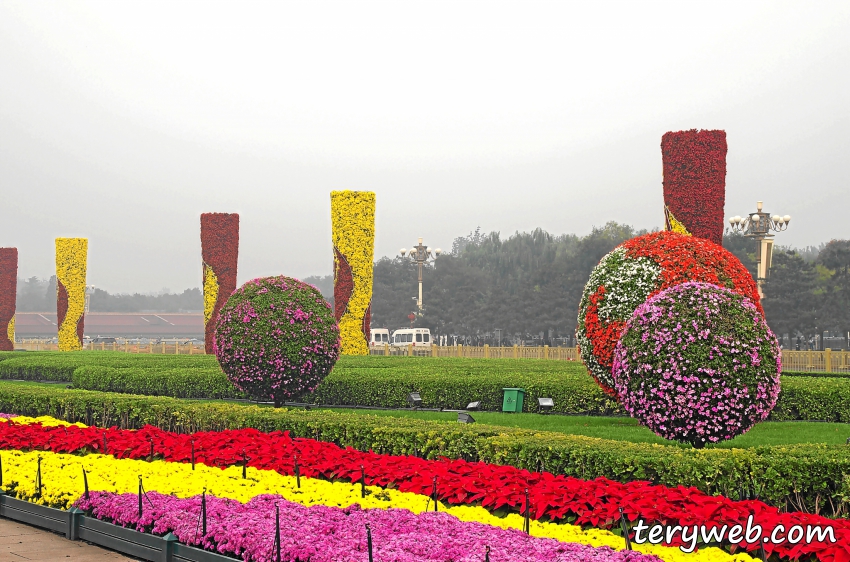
{"x": 528, "y": 287}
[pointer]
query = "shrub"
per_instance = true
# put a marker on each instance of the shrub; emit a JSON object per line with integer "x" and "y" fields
{"x": 276, "y": 337}
{"x": 177, "y": 383}
{"x": 638, "y": 269}
{"x": 792, "y": 477}
{"x": 698, "y": 364}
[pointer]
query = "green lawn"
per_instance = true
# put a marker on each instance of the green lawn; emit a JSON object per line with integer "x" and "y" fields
{"x": 619, "y": 428}
{"x": 627, "y": 429}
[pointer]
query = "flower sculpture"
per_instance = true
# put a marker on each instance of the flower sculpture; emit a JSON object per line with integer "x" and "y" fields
{"x": 695, "y": 182}
{"x": 71, "y": 256}
{"x": 220, "y": 252}
{"x": 8, "y": 295}
{"x": 698, "y": 364}
{"x": 638, "y": 269}
{"x": 353, "y": 223}
{"x": 276, "y": 337}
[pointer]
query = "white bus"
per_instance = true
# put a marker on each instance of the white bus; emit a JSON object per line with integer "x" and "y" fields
{"x": 417, "y": 337}
{"x": 380, "y": 337}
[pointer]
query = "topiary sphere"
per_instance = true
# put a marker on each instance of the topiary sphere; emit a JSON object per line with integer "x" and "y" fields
{"x": 697, "y": 363}
{"x": 276, "y": 337}
{"x": 634, "y": 271}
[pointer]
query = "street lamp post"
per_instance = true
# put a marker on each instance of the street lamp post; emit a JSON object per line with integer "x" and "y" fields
{"x": 421, "y": 254}
{"x": 758, "y": 225}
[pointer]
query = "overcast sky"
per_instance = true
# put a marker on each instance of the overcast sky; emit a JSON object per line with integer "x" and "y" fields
{"x": 123, "y": 121}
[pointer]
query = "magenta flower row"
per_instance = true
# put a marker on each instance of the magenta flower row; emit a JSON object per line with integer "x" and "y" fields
{"x": 325, "y": 534}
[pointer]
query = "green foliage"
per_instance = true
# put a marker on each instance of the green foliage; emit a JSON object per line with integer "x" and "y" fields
{"x": 276, "y": 337}
{"x": 53, "y": 366}
{"x": 177, "y": 383}
{"x": 527, "y": 283}
{"x": 800, "y": 477}
{"x": 449, "y": 383}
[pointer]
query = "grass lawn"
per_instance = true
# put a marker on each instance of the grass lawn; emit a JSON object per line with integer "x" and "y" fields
{"x": 627, "y": 429}
{"x": 619, "y": 428}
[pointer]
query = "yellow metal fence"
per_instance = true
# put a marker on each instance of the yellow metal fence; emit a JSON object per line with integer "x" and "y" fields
{"x": 815, "y": 361}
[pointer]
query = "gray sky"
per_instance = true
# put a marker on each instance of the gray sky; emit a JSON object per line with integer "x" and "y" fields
{"x": 123, "y": 121}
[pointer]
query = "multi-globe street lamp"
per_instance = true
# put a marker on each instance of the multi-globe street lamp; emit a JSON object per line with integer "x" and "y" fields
{"x": 421, "y": 255}
{"x": 759, "y": 225}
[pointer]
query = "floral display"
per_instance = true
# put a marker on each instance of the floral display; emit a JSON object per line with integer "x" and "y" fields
{"x": 331, "y": 534}
{"x": 459, "y": 483}
{"x": 638, "y": 269}
{"x": 63, "y": 486}
{"x": 698, "y": 364}
{"x": 353, "y": 223}
{"x": 695, "y": 182}
{"x": 71, "y": 255}
{"x": 276, "y": 338}
{"x": 220, "y": 254}
{"x": 8, "y": 297}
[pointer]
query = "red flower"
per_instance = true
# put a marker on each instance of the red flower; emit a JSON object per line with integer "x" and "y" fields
{"x": 8, "y": 293}
{"x": 695, "y": 180}
{"x": 220, "y": 252}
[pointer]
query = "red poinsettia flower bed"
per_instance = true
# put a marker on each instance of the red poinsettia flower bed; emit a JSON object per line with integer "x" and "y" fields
{"x": 555, "y": 497}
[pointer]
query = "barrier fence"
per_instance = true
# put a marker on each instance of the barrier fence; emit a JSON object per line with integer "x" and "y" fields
{"x": 829, "y": 361}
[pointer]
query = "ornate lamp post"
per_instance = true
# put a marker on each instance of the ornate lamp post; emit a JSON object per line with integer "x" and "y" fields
{"x": 421, "y": 254}
{"x": 758, "y": 225}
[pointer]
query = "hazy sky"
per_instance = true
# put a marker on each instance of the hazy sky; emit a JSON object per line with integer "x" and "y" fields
{"x": 123, "y": 121}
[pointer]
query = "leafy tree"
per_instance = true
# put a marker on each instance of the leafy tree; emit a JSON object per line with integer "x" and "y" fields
{"x": 790, "y": 303}
{"x": 834, "y": 310}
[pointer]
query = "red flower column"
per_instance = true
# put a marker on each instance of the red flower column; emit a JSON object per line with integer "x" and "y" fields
{"x": 8, "y": 296}
{"x": 695, "y": 182}
{"x": 220, "y": 252}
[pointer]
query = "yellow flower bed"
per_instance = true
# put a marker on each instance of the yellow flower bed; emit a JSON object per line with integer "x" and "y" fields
{"x": 46, "y": 421}
{"x": 71, "y": 274}
{"x": 353, "y": 235}
{"x": 62, "y": 485}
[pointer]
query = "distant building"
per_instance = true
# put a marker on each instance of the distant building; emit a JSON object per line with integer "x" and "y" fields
{"x": 123, "y": 325}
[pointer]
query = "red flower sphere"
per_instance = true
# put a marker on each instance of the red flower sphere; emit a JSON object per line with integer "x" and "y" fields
{"x": 637, "y": 270}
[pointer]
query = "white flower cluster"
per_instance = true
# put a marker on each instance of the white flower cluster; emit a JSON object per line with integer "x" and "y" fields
{"x": 627, "y": 287}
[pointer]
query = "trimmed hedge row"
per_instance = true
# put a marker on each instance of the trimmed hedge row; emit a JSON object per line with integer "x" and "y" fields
{"x": 54, "y": 366}
{"x": 448, "y": 383}
{"x": 799, "y": 477}
{"x": 176, "y": 383}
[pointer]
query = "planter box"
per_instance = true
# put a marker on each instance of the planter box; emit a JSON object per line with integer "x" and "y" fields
{"x": 76, "y": 525}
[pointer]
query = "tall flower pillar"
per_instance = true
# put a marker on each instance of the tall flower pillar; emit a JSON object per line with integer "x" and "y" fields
{"x": 220, "y": 253}
{"x": 695, "y": 182}
{"x": 8, "y": 296}
{"x": 353, "y": 224}
{"x": 71, "y": 255}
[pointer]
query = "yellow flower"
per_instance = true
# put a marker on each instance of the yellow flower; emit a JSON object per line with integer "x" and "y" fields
{"x": 210, "y": 293}
{"x": 71, "y": 277}
{"x": 46, "y": 421}
{"x": 675, "y": 225}
{"x": 62, "y": 485}
{"x": 353, "y": 235}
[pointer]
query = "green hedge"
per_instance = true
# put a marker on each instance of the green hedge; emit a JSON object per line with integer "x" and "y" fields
{"x": 807, "y": 477}
{"x": 55, "y": 366}
{"x": 448, "y": 383}
{"x": 177, "y": 383}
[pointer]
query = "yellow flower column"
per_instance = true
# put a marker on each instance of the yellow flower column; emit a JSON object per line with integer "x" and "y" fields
{"x": 71, "y": 256}
{"x": 353, "y": 224}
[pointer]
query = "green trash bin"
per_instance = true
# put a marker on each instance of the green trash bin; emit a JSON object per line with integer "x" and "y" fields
{"x": 512, "y": 401}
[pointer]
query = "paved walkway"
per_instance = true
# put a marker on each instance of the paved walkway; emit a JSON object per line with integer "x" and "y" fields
{"x": 19, "y": 542}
